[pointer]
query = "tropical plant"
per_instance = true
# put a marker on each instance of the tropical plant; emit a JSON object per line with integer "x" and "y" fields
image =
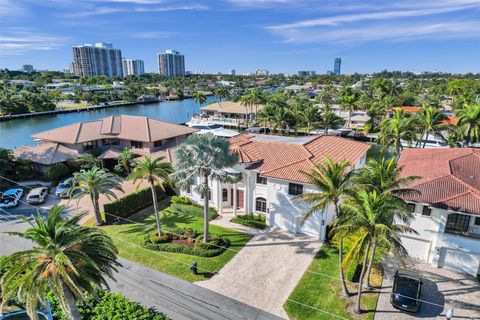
{"x": 251, "y": 98}
{"x": 281, "y": 117}
{"x": 469, "y": 116}
{"x": 155, "y": 172}
{"x": 310, "y": 116}
{"x": 329, "y": 120}
{"x": 348, "y": 100}
{"x": 67, "y": 259}
{"x": 332, "y": 181}
{"x": 93, "y": 183}
{"x": 396, "y": 129}
{"x": 430, "y": 120}
{"x": 222, "y": 93}
{"x": 204, "y": 157}
{"x": 372, "y": 218}
{"x": 125, "y": 161}
{"x": 199, "y": 97}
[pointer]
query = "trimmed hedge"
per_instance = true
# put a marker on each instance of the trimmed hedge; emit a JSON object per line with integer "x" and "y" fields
{"x": 193, "y": 210}
{"x": 181, "y": 199}
{"x": 131, "y": 203}
{"x": 251, "y": 220}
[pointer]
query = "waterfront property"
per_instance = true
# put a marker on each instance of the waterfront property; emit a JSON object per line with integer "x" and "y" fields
{"x": 271, "y": 178}
{"x": 446, "y": 207}
{"x": 230, "y": 113}
{"x": 110, "y": 135}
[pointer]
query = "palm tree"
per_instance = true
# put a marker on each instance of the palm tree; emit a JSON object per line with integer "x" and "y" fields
{"x": 430, "y": 120}
{"x": 252, "y": 97}
{"x": 93, "y": 183}
{"x": 372, "y": 217}
{"x": 280, "y": 119}
{"x": 396, "y": 129}
{"x": 332, "y": 180}
{"x": 200, "y": 98}
{"x": 348, "y": 100}
{"x": 205, "y": 157}
{"x": 68, "y": 259}
{"x": 309, "y": 116}
{"x": 155, "y": 172}
{"x": 222, "y": 93}
{"x": 125, "y": 161}
{"x": 469, "y": 117}
{"x": 329, "y": 120}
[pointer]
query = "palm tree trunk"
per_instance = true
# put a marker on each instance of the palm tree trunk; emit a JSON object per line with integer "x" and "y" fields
{"x": 96, "y": 210}
{"x": 370, "y": 264}
{"x": 205, "y": 209}
{"x": 69, "y": 305}
{"x": 155, "y": 208}
{"x": 358, "y": 309}
{"x": 340, "y": 259}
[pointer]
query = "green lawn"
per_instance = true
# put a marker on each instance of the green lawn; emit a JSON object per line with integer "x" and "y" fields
{"x": 128, "y": 238}
{"x": 325, "y": 293}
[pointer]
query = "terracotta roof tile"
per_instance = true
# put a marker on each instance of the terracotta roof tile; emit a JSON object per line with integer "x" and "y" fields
{"x": 450, "y": 178}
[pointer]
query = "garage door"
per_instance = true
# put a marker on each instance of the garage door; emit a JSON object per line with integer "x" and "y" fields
{"x": 461, "y": 261}
{"x": 416, "y": 248}
{"x": 283, "y": 221}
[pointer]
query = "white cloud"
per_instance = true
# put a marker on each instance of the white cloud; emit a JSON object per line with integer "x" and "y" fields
{"x": 153, "y": 34}
{"x": 17, "y": 41}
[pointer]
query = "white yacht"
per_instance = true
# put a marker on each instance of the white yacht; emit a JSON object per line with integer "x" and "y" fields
{"x": 206, "y": 126}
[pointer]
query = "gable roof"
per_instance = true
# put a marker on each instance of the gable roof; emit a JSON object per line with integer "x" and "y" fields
{"x": 46, "y": 153}
{"x": 125, "y": 127}
{"x": 450, "y": 178}
{"x": 284, "y": 158}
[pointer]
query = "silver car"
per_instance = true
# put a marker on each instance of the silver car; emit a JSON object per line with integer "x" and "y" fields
{"x": 37, "y": 195}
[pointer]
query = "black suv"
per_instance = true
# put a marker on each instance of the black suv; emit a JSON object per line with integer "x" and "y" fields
{"x": 407, "y": 288}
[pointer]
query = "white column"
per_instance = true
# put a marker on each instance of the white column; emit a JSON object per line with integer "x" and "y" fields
{"x": 220, "y": 197}
{"x": 234, "y": 199}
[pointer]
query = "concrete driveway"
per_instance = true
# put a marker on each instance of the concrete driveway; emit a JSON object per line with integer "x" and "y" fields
{"x": 266, "y": 270}
{"x": 444, "y": 287}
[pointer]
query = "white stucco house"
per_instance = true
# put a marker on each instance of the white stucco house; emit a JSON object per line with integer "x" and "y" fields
{"x": 271, "y": 169}
{"x": 447, "y": 207}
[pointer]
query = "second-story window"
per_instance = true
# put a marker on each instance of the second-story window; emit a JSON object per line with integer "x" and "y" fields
{"x": 260, "y": 179}
{"x": 89, "y": 145}
{"x": 136, "y": 144}
{"x": 295, "y": 189}
{"x": 157, "y": 143}
{"x": 411, "y": 207}
{"x": 426, "y": 211}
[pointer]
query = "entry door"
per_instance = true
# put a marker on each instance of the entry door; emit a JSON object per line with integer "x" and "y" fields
{"x": 240, "y": 200}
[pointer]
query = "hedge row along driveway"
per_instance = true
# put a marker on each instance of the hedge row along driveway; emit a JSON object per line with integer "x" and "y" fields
{"x": 128, "y": 238}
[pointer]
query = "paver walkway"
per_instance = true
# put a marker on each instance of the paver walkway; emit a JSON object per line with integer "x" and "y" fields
{"x": 266, "y": 270}
{"x": 223, "y": 220}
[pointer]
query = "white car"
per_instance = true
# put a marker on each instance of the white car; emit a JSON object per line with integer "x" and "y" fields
{"x": 10, "y": 198}
{"x": 37, "y": 195}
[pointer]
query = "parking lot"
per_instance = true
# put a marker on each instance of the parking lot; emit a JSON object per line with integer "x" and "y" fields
{"x": 443, "y": 288}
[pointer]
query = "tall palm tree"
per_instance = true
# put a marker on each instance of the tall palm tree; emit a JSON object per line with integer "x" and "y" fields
{"x": 251, "y": 98}
{"x": 155, "y": 172}
{"x": 396, "y": 129}
{"x": 281, "y": 117}
{"x": 222, "y": 93}
{"x": 309, "y": 116}
{"x": 200, "y": 98}
{"x": 332, "y": 181}
{"x": 329, "y": 120}
{"x": 348, "y": 101}
{"x": 372, "y": 217}
{"x": 66, "y": 258}
{"x": 430, "y": 120}
{"x": 93, "y": 183}
{"x": 204, "y": 157}
{"x": 469, "y": 117}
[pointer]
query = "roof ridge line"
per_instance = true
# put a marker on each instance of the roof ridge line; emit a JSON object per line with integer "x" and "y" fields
{"x": 289, "y": 164}
{"x": 429, "y": 181}
{"x": 454, "y": 196}
{"x": 54, "y": 151}
{"x": 79, "y": 127}
{"x": 149, "y": 136}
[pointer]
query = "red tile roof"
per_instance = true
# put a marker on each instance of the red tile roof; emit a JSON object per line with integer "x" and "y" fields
{"x": 451, "y": 120}
{"x": 286, "y": 160}
{"x": 407, "y": 109}
{"x": 450, "y": 178}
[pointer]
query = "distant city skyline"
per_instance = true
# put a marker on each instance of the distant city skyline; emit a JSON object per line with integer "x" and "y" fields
{"x": 280, "y": 36}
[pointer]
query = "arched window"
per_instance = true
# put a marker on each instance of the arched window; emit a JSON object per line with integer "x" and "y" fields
{"x": 261, "y": 205}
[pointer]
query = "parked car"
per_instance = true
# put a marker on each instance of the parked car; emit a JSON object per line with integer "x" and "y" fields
{"x": 10, "y": 198}
{"x": 37, "y": 195}
{"x": 256, "y": 129}
{"x": 407, "y": 288}
{"x": 62, "y": 189}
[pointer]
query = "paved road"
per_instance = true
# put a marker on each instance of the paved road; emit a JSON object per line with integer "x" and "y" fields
{"x": 179, "y": 299}
{"x": 448, "y": 289}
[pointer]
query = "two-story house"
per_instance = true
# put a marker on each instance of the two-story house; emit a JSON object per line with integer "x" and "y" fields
{"x": 271, "y": 168}
{"x": 446, "y": 207}
{"x": 110, "y": 135}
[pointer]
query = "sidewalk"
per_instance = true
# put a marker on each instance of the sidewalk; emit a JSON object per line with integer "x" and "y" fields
{"x": 223, "y": 220}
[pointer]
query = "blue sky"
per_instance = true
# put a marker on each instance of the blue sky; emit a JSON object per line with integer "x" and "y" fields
{"x": 277, "y": 35}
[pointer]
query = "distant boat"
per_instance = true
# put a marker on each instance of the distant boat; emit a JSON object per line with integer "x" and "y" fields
{"x": 206, "y": 126}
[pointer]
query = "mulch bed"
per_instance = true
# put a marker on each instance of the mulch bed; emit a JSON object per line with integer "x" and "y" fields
{"x": 184, "y": 242}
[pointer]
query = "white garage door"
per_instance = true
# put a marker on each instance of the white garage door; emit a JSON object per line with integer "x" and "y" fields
{"x": 416, "y": 248}
{"x": 462, "y": 261}
{"x": 283, "y": 221}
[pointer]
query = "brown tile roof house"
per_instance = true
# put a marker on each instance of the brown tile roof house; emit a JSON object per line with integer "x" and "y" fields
{"x": 121, "y": 127}
{"x": 450, "y": 178}
{"x": 231, "y": 107}
{"x": 286, "y": 159}
{"x": 46, "y": 153}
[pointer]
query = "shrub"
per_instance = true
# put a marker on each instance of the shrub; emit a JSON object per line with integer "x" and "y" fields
{"x": 251, "y": 220}
{"x": 108, "y": 306}
{"x": 57, "y": 172}
{"x": 130, "y": 204}
{"x": 181, "y": 200}
{"x": 193, "y": 210}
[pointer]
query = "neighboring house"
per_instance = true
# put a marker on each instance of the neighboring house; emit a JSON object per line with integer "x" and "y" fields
{"x": 45, "y": 154}
{"x": 230, "y": 113}
{"x": 271, "y": 170}
{"x": 447, "y": 207}
{"x": 110, "y": 135}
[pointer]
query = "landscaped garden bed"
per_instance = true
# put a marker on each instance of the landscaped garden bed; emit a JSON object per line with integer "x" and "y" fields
{"x": 251, "y": 220}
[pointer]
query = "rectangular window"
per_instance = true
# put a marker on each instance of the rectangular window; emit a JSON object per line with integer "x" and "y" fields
{"x": 426, "y": 211}
{"x": 411, "y": 207}
{"x": 136, "y": 144}
{"x": 224, "y": 195}
{"x": 261, "y": 180}
{"x": 110, "y": 142}
{"x": 261, "y": 205}
{"x": 457, "y": 223}
{"x": 89, "y": 145}
{"x": 295, "y": 189}
{"x": 477, "y": 221}
{"x": 209, "y": 195}
{"x": 157, "y": 143}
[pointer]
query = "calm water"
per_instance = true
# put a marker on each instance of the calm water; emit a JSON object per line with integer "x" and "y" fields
{"x": 15, "y": 133}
